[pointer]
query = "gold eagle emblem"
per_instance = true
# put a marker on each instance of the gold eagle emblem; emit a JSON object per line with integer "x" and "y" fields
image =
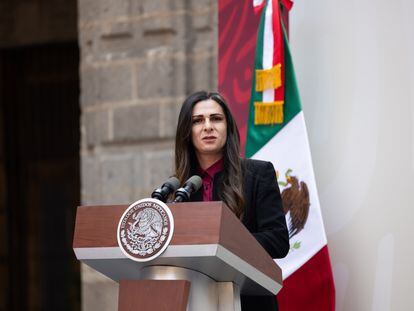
{"x": 295, "y": 198}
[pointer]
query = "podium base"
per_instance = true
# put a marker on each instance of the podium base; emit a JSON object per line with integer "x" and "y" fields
{"x": 205, "y": 294}
{"x": 151, "y": 295}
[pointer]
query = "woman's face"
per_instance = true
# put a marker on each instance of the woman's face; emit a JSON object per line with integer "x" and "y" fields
{"x": 209, "y": 128}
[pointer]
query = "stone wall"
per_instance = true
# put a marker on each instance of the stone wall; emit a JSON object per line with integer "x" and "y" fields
{"x": 139, "y": 59}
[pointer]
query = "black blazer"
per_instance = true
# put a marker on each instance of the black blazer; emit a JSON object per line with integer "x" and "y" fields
{"x": 263, "y": 217}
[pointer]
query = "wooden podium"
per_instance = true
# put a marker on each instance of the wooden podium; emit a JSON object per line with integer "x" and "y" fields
{"x": 211, "y": 260}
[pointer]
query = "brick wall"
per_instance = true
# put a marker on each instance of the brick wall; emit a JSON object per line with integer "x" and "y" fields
{"x": 139, "y": 59}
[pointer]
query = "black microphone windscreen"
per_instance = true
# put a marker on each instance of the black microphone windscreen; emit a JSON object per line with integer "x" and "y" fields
{"x": 172, "y": 183}
{"x": 196, "y": 181}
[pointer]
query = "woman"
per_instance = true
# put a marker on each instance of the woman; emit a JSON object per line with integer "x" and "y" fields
{"x": 208, "y": 144}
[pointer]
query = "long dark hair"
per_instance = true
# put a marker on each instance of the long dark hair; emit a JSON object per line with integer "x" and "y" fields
{"x": 186, "y": 161}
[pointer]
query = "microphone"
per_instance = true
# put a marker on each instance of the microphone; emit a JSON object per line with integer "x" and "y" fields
{"x": 168, "y": 187}
{"x": 190, "y": 186}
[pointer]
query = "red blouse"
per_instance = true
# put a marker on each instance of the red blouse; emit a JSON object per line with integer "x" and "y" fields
{"x": 207, "y": 177}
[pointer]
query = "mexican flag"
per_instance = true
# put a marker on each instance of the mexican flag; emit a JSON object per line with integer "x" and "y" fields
{"x": 276, "y": 132}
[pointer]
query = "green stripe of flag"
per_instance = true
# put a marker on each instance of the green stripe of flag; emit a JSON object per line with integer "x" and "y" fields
{"x": 259, "y": 135}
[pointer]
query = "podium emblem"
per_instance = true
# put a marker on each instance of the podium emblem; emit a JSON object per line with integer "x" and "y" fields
{"x": 145, "y": 229}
